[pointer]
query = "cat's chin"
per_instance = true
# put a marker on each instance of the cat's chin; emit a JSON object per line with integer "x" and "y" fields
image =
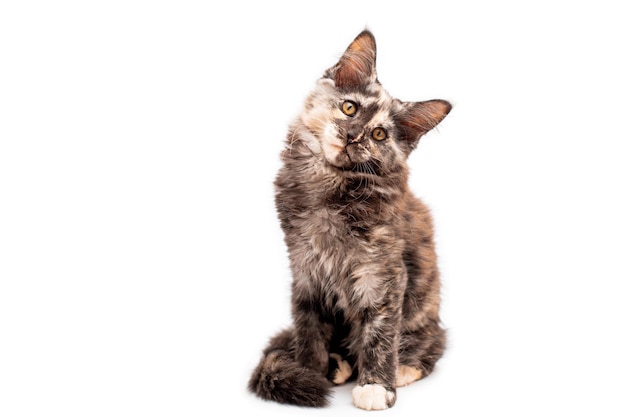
{"x": 340, "y": 161}
{"x": 347, "y": 168}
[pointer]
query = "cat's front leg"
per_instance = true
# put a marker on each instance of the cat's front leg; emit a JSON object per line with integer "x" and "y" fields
{"x": 377, "y": 360}
{"x": 312, "y": 336}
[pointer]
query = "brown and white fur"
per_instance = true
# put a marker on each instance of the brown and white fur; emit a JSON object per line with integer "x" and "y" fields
{"x": 365, "y": 292}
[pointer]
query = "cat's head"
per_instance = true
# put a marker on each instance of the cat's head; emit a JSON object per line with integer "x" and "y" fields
{"x": 358, "y": 125}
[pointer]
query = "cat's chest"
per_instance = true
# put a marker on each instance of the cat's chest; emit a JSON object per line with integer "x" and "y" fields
{"x": 343, "y": 257}
{"x": 330, "y": 233}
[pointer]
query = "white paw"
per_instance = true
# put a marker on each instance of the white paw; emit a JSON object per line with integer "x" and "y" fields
{"x": 344, "y": 370}
{"x": 372, "y": 397}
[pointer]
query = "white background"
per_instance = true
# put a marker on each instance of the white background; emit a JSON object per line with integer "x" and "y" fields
{"x": 142, "y": 267}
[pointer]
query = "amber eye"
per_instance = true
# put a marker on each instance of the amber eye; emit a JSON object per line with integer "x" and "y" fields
{"x": 349, "y": 108}
{"x": 379, "y": 133}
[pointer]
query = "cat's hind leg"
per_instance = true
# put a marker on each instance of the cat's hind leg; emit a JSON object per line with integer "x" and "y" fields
{"x": 418, "y": 353}
{"x": 407, "y": 374}
{"x": 340, "y": 369}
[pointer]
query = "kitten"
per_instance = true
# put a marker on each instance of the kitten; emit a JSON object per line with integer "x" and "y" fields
{"x": 365, "y": 291}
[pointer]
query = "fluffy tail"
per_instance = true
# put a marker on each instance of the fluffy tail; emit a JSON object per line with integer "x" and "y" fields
{"x": 279, "y": 377}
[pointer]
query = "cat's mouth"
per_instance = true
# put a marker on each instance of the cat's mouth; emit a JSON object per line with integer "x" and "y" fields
{"x": 357, "y": 154}
{"x": 351, "y": 158}
{"x": 358, "y": 162}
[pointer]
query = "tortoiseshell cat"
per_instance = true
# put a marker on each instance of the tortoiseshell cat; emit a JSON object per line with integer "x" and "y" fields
{"x": 365, "y": 292}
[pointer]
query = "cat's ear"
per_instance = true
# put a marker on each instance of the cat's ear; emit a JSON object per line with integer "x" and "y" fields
{"x": 357, "y": 66}
{"x": 415, "y": 119}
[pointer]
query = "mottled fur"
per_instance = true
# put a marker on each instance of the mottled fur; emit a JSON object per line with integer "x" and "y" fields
{"x": 365, "y": 292}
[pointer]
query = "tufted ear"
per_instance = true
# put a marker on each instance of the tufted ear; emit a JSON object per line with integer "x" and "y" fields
{"x": 416, "y": 119}
{"x": 357, "y": 66}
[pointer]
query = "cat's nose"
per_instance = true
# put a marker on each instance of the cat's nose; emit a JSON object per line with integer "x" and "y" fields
{"x": 353, "y": 138}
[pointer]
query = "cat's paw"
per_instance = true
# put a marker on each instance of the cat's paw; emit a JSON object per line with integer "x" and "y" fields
{"x": 406, "y": 375}
{"x": 373, "y": 397}
{"x": 342, "y": 371}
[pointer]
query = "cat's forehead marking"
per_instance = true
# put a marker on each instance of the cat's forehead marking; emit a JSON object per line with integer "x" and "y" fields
{"x": 379, "y": 101}
{"x": 380, "y": 118}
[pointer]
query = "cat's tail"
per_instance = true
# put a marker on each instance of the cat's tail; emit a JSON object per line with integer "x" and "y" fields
{"x": 279, "y": 377}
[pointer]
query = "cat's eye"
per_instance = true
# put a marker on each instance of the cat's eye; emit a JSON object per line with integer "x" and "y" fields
{"x": 379, "y": 133}
{"x": 348, "y": 108}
